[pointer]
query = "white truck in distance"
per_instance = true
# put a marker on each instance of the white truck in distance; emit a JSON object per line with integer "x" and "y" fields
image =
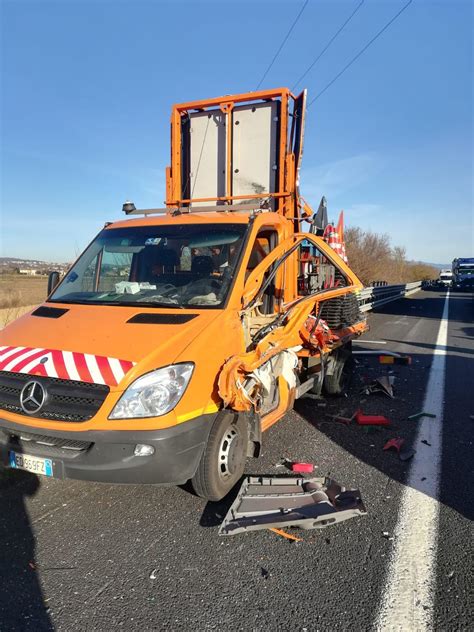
{"x": 445, "y": 277}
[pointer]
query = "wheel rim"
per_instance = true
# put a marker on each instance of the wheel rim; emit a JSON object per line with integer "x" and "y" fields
{"x": 228, "y": 454}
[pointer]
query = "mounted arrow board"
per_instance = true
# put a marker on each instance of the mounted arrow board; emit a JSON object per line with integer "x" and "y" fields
{"x": 254, "y": 155}
{"x": 254, "y": 148}
{"x": 207, "y": 135}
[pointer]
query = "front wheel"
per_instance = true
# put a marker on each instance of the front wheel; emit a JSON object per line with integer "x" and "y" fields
{"x": 223, "y": 460}
{"x": 337, "y": 383}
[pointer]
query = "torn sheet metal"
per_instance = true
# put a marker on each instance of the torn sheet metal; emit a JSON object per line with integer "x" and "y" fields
{"x": 265, "y": 502}
{"x": 256, "y": 386}
{"x": 382, "y": 384}
{"x": 283, "y": 364}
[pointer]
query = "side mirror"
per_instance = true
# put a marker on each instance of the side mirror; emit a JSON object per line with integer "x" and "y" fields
{"x": 53, "y": 280}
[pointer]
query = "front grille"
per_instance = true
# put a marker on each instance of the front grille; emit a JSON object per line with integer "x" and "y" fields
{"x": 67, "y": 400}
{"x": 25, "y": 441}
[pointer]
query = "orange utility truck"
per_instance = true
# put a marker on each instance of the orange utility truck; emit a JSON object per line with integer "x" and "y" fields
{"x": 182, "y": 333}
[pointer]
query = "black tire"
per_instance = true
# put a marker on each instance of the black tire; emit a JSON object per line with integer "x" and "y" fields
{"x": 223, "y": 461}
{"x": 337, "y": 383}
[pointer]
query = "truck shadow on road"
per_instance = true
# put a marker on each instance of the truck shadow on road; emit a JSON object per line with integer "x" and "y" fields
{"x": 22, "y": 604}
{"x": 215, "y": 512}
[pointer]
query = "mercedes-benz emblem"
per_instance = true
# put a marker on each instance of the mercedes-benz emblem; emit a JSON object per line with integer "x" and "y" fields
{"x": 32, "y": 397}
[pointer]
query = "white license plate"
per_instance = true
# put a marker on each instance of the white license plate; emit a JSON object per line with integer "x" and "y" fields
{"x": 31, "y": 464}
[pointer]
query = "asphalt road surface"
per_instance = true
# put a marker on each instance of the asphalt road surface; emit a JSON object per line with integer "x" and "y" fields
{"x": 82, "y": 556}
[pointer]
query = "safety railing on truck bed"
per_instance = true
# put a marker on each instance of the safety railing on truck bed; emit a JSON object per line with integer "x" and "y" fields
{"x": 371, "y": 297}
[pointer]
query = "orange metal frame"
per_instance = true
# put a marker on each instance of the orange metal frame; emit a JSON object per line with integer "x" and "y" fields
{"x": 286, "y": 183}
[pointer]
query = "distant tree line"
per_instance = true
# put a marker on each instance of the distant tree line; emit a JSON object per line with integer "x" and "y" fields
{"x": 373, "y": 258}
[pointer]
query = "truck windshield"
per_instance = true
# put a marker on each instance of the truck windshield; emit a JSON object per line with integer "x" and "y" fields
{"x": 166, "y": 266}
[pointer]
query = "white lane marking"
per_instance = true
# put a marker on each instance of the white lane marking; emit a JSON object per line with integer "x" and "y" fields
{"x": 408, "y": 598}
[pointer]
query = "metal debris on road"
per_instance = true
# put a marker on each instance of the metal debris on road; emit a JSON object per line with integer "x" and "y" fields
{"x": 265, "y": 502}
{"x": 380, "y": 385}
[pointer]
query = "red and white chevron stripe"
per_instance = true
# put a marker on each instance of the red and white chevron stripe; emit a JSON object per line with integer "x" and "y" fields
{"x": 67, "y": 365}
{"x": 332, "y": 238}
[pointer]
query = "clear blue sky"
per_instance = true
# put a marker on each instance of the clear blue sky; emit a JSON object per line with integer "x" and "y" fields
{"x": 87, "y": 88}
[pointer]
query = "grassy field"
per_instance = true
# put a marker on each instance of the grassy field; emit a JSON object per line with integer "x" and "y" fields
{"x": 17, "y": 290}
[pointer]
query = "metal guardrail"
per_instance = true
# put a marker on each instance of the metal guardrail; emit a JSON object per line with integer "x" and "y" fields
{"x": 371, "y": 297}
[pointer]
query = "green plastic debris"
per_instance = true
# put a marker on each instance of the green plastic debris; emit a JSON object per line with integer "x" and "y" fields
{"x": 422, "y": 414}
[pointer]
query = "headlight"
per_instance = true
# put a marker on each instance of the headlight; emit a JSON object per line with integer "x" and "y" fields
{"x": 155, "y": 393}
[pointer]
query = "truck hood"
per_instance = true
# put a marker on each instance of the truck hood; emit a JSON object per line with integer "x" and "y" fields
{"x": 96, "y": 343}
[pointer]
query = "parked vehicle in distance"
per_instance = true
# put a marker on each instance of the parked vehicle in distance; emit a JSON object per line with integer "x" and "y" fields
{"x": 463, "y": 274}
{"x": 181, "y": 334}
{"x": 445, "y": 278}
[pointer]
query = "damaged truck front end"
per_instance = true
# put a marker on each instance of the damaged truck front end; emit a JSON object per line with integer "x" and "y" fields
{"x": 199, "y": 323}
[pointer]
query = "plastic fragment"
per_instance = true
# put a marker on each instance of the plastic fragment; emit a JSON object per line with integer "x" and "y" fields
{"x": 368, "y": 429}
{"x": 371, "y": 420}
{"x": 302, "y": 467}
{"x": 404, "y": 360}
{"x": 394, "y": 443}
{"x": 154, "y": 573}
{"x": 404, "y": 452}
{"x": 342, "y": 420}
{"x": 421, "y": 414}
{"x": 286, "y": 535}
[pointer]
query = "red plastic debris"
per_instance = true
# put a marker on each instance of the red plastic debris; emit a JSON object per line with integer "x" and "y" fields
{"x": 302, "y": 467}
{"x": 371, "y": 420}
{"x": 404, "y": 452}
{"x": 394, "y": 443}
